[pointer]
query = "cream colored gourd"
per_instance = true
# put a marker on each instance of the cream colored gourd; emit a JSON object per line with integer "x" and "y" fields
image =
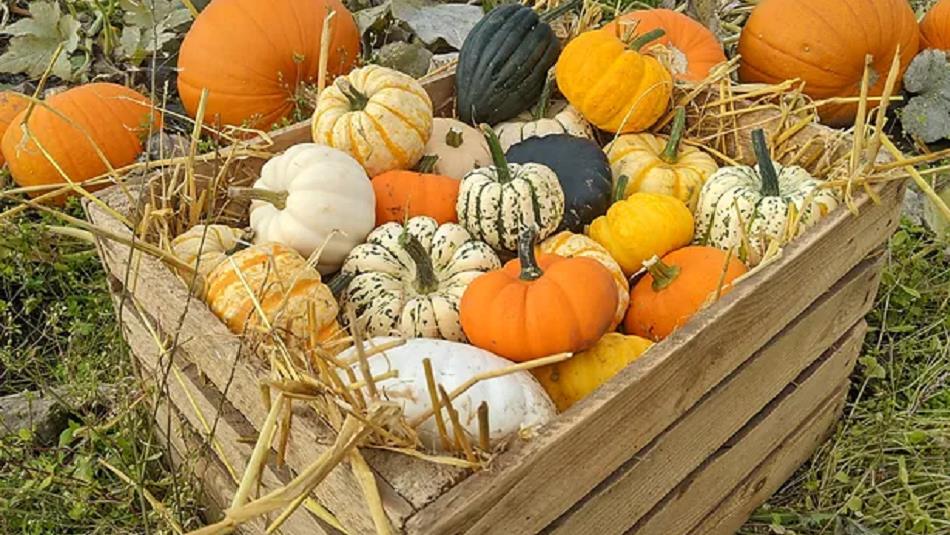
{"x": 546, "y": 118}
{"x": 409, "y": 279}
{"x": 515, "y": 401}
{"x": 748, "y": 209}
{"x": 203, "y": 247}
{"x": 381, "y": 117}
{"x": 655, "y": 164}
{"x": 310, "y": 198}
{"x": 572, "y": 245}
{"x": 459, "y": 147}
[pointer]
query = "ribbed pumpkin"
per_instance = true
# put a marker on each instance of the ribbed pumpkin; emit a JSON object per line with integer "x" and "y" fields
{"x": 11, "y": 104}
{"x": 546, "y": 118}
{"x": 285, "y": 287}
{"x": 253, "y": 57}
{"x": 458, "y": 147}
{"x": 824, "y": 44}
{"x": 381, "y": 117}
{"x": 204, "y": 247}
{"x": 570, "y": 245}
{"x": 404, "y": 194}
{"x": 678, "y": 286}
{"x": 576, "y": 378}
{"x": 695, "y": 50}
{"x": 656, "y": 164}
{"x": 115, "y": 118}
{"x": 611, "y": 83}
{"x": 935, "y": 28}
{"x": 537, "y": 306}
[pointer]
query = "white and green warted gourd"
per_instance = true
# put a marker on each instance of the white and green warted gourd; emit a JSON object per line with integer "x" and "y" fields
{"x": 408, "y": 280}
{"x": 747, "y": 209}
{"x": 496, "y": 202}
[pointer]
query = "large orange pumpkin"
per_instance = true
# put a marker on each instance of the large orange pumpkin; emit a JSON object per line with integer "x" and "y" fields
{"x": 114, "y": 117}
{"x": 935, "y": 28}
{"x": 11, "y": 104}
{"x": 252, "y": 56}
{"x": 695, "y": 49}
{"x": 824, "y": 43}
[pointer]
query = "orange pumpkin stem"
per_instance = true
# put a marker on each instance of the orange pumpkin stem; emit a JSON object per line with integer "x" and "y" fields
{"x": 358, "y": 101}
{"x": 453, "y": 138}
{"x": 426, "y": 281}
{"x": 497, "y": 154}
{"x": 277, "y": 198}
{"x": 427, "y": 163}
{"x": 645, "y": 39}
{"x": 530, "y": 270}
{"x": 671, "y": 153}
{"x": 767, "y": 171}
{"x": 663, "y": 274}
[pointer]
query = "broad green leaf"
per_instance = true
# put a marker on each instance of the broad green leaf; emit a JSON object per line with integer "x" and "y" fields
{"x": 35, "y": 40}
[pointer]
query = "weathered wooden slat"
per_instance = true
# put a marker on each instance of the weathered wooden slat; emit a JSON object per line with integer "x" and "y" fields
{"x": 517, "y": 494}
{"x": 783, "y": 420}
{"x": 633, "y": 490}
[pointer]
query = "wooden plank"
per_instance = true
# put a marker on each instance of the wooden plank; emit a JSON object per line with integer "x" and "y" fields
{"x": 823, "y": 384}
{"x": 633, "y": 490}
{"x": 189, "y": 396}
{"x": 517, "y": 494}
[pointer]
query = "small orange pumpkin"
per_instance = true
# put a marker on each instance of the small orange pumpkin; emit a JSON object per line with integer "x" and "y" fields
{"x": 401, "y": 195}
{"x": 11, "y": 104}
{"x": 115, "y": 118}
{"x": 935, "y": 28}
{"x": 676, "y": 287}
{"x": 695, "y": 50}
{"x": 537, "y": 306}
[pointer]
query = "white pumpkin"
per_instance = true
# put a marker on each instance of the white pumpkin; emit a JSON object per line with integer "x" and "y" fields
{"x": 515, "y": 401}
{"x": 459, "y": 147}
{"x": 312, "y": 197}
{"x": 409, "y": 280}
{"x": 203, "y": 247}
{"x": 496, "y": 202}
{"x": 558, "y": 118}
{"x": 746, "y": 209}
{"x": 381, "y": 117}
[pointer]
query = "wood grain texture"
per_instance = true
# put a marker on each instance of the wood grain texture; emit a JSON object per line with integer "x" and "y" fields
{"x": 822, "y": 385}
{"x": 634, "y": 489}
{"x": 517, "y": 495}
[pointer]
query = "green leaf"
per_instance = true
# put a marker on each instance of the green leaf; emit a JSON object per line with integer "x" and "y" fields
{"x": 35, "y": 40}
{"x": 148, "y": 26}
{"x": 872, "y": 369}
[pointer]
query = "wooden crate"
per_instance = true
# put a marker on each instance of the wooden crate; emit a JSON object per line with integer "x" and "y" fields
{"x": 688, "y": 439}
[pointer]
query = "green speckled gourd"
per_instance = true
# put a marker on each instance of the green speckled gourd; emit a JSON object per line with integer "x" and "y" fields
{"x": 747, "y": 209}
{"x": 496, "y": 202}
{"x": 408, "y": 280}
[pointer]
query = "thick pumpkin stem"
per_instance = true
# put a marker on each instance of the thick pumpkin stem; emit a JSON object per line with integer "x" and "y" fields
{"x": 427, "y": 163}
{"x": 426, "y": 281}
{"x": 530, "y": 270}
{"x": 645, "y": 39}
{"x": 277, "y": 198}
{"x": 453, "y": 138}
{"x": 671, "y": 154}
{"x": 766, "y": 167}
{"x": 497, "y": 155}
{"x": 663, "y": 274}
{"x": 620, "y": 188}
{"x": 358, "y": 101}
{"x": 545, "y": 101}
{"x": 552, "y": 14}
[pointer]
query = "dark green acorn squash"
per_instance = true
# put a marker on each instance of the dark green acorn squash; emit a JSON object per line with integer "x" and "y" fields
{"x": 503, "y": 64}
{"x": 582, "y": 169}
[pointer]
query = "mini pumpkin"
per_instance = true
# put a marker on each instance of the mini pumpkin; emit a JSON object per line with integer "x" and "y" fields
{"x": 312, "y": 198}
{"x": 611, "y": 83}
{"x": 678, "y": 286}
{"x": 381, "y": 117}
{"x": 284, "y": 286}
{"x": 544, "y": 119}
{"x": 404, "y": 194}
{"x": 204, "y": 247}
{"x": 409, "y": 279}
{"x": 655, "y": 164}
{"x": 581, "y": 168}
{"x": 576, "y": 378}
{"x": 747, "y": 209}
{"x": 496, "y": 202}
{"x": 458, "y": 147}
{"x": 935, "y": 27}
{"x": 694, "y": 50}
{"x": 11, "y": 104}
{"x": 539, "y": 305}
{"x": 570, "y": 245}
{"x": 642, "y": 226}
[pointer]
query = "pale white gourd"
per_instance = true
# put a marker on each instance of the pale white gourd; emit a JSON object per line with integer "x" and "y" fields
{"x": 203, "y": 247}
{"x": 559, "y": 118}
{"x": 459, "y": 147}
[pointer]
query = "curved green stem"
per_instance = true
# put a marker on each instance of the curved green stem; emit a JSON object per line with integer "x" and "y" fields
{"x": 453, "y": 138}
{"x": 645, "y": 39}
{"x": 358, "y": 101}
{"x": 552, "y": 14}
{"x": 663, "y": 274}
{"x": 277, "y": 198}
{"x": 426, "y": 281}
{"x": 427, "y": 163}
{"x": 497, "y": 155}
{"x": 766, "y": 167}
{"x": 620, "y": 188}
{"x": 530, "y": 270}
{"x": 671, "y": 153}
{"x": 545, "y": 101}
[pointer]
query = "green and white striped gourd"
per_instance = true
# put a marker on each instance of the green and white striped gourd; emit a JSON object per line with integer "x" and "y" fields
{"x": 746, "y": 209}
{"x": 546, "y": 118}
{"x": 408, "y": 280}
{"x": 496, "y": 202}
